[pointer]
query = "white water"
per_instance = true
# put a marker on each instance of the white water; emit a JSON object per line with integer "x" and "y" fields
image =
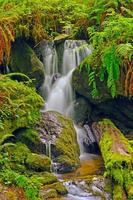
{"x": 57, "y": 88}
{"x": 50, "y": 61}
{"x": 81, "y": 136}
{"x": 59, "y": 95}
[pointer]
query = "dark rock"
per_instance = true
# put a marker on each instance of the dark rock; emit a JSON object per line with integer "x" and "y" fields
{"x": 81, "y": 76}
{"x": 60, "y": 131}
{"x": 24, "y": 60}
{"x": 82, "y": 110}
{"x": 90, "y": 143}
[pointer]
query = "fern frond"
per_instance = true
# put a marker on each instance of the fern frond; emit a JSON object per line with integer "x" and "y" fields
{"x": 125, "y": 50}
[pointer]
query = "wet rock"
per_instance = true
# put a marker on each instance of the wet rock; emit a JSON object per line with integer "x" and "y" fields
{"x": 24, "y": 60}
{"x": 82, "y": 110}
{"x": 81, "y": 76}
{"x": 90, "y": 142}
{"x": 38, "y": 162}
{"x": 55, "y": 77}
{"x": 60, "y": 131}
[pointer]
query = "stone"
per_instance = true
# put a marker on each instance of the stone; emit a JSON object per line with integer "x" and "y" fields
{"x": 24, "y": 60}
{"x": 60, "y": 131}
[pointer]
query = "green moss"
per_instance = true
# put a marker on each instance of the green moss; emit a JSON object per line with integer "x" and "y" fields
{"x": 30, "y": 137}
{"x": 51, "y": 193}
{"x": 45, "y": 178}
{"x": 19, "y": 105}
{"x": 117, "y": 155}
{"x": 24, "y": 60}
{"x": 60, "y": 188}
{"x": 117, "y": 192}
{"x": 17, "y": 152}
{"x": 38, "y": 162}
{"x": 5, "y": 138}
{"x": 19, "y": 77}
{"x": 66, "y": 143}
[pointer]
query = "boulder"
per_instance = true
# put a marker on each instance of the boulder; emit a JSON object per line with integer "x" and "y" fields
{"x": 38, "y": 162}
{"x": 81, "y": 76}
{"x": 82, "y": 110}
{"x": 117, "y": 155}
{"x": 58, "y": 131}
{"x": 24, "y": 60}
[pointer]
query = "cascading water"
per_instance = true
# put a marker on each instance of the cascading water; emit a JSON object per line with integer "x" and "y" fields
{"x": 57, "y": 89}
{"x": 57, "y": 85}
{"x": 59, "y": 96}
{"x": 50, "y": 61}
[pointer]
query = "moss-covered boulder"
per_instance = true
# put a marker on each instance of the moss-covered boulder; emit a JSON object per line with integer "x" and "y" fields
{"x": 19, "y": 105}
{"x": 54, "y": 190}
{"x": 60, "y": 131}
{"x": 24, "y": 60}
{"x": 118, "y": 157}
{"x": 45, "y": 178}
{"x": 17, "y": 152}
{"x": 30, "y": 137}
{"x": 38, "y": 162}
{"x": 80, "y": 75}
{"x": 19, "y": 77}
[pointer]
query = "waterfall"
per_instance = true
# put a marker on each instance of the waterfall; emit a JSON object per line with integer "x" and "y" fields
{"x": 57, "y": 88}
{"x": 81, "y": 137}
{"x": 74, "y": 53}
{"x": 48, "y": 148}
{"x": 50, "y": 61}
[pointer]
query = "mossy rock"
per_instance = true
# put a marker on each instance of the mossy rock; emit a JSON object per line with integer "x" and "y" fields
{"x": 6, "y": 138}
{"x": 38, "y": 162}
{"x": 30, "y": 137}
{"x": 117, "y": 155}
{"x": 45, "y": 178}
{"x": 60, "y": 188}
{"x": 24, "y": 60}
{"x": 19, "y": 77}
{"x": 48, "y": 194}
{"x": 60, "y": 130}
{"x": 19, "y": 105}
{"x": 17, "y": 152}
{"x": 80, "y": 75}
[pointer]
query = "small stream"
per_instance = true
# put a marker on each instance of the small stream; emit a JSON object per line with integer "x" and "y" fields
{"x": 59, "y": 95}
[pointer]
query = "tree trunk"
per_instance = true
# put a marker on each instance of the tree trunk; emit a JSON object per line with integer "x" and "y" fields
{"x": 118, "y": 157}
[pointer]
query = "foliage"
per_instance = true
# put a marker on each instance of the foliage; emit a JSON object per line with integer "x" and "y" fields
{"x": 110, "y": 32}
{"x": 19, "y": 104}
{"x": 117, "y": 155}
{"x": 37, "y": 19}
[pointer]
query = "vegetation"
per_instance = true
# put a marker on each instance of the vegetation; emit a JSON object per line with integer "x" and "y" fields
{"x": 107, "y": 25}
{"x": 38, "y": 20}
{"x": 117, "y": 155}
{"x": 110, "y": 33}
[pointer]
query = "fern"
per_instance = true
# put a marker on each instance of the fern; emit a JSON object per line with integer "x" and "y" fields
{"x": 110, "y": 63}
{"x": 125, "y": 50}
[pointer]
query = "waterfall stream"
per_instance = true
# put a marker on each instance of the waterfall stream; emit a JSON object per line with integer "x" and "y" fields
{"x": 59, "y": 95}
{"x": 57, "y": 88}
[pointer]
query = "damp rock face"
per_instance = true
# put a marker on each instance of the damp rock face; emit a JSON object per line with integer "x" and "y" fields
{"x": 60, "y": 131}
{"x": 24, "y": 60}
